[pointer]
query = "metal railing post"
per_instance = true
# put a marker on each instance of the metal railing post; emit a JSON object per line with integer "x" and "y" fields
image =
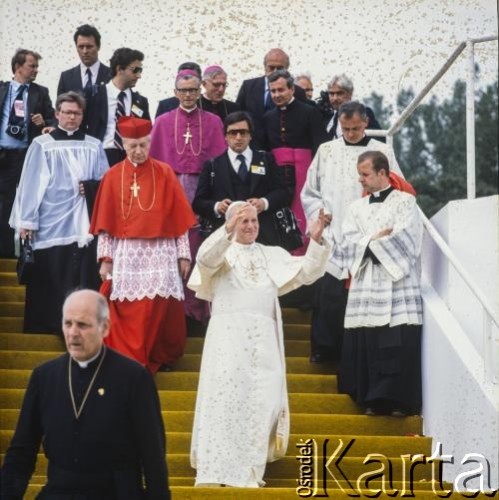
{"x": 470, "y": 121}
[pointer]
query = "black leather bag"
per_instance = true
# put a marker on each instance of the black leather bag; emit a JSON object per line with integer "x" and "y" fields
{"x": 25, "y": 262}
{"x": 288, "y": 233}
{"x": 206, "y": 227}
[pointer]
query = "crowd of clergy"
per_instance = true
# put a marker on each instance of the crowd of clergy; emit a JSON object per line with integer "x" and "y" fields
{"x": 111, "y": 200}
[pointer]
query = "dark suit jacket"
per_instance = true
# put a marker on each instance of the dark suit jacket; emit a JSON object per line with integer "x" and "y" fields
{"x": 38, "y": 102}
{"x": 166, "y": 105}
{"x": 215, "y": 185}
{"x": 250, "y": 99}
{"x": 120, "y": 431}
{"x": 71, "y": 79}
{"x": 97, "y": 111}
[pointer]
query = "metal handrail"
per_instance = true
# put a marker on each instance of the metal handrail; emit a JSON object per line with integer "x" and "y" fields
{"x": 440, "y": 242}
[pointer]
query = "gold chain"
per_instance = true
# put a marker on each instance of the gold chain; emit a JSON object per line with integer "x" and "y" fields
{"x": 190, "y": 142}
{"x": 148, "y": 209}
{"x": 70, "y": 381}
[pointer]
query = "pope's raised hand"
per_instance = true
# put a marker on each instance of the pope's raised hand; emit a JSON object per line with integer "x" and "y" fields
{"x": 316, "y": 227}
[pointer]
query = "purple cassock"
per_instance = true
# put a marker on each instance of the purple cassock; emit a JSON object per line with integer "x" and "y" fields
{"x": 186, "y": 141}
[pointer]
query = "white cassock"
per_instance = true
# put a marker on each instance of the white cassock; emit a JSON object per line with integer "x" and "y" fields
{"x": 333, "y": 183}
{"x": 242, "y": 413}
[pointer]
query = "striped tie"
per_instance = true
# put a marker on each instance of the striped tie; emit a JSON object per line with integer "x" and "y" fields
{"x": 120, "y": 111}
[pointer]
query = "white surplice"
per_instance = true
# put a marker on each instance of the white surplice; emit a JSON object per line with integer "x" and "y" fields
{"x": 48, "y": 199}
{"x": 333, "y": 183}
{"x": 386, "y": 293}
{"x": 242, "y": 412}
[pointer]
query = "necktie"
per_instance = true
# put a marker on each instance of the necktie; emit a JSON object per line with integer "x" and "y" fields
{"x": 13, "y": 119}
{"x": 335, "y": 125}
{"x": 269, "y": 103}
{"x": 120, "y": 111}
{"x": 88, "y": 86}
{"x": 243, "y": 168}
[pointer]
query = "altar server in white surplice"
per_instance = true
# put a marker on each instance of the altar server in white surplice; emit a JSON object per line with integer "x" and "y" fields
{"x": 53, "y": 205}
{"x": 242, "y": 413}
{"x": 380, "y": 249}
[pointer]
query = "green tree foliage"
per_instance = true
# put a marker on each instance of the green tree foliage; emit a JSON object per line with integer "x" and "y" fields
{"x": 431, "y": 146}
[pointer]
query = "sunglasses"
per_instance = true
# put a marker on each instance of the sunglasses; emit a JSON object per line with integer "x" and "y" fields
{"x": 135, "y": 69}
{"x": 242, "y": 132}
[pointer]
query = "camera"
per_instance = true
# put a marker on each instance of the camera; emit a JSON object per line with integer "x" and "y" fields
{"x": 16, "y": 131}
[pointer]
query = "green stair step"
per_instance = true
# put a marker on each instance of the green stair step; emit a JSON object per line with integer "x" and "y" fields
{"x": 180, "y": 442}
{"x": 190, "y": 493}
{"x": 8, "y": 279}
{"x": 11, "y": 324}
{"x": 54, "y": 343}
{"x": 287, "y": 467}
{"x": 15, "y": 309}
{"x": 181, "y": 421}
{"x": 8, "y": 265}
{"x": 185, "y": 401}
{"x": 188, "y": 381}
{"x": 12, "y": 293}
{"x": 189, "y": 362}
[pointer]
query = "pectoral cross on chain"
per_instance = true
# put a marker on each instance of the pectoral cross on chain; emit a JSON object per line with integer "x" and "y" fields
{"x": 187, "y": 135}
{"x": 135, "y": 187}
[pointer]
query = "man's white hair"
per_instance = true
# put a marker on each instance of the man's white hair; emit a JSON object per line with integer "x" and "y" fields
{"x": 235, "y": 205}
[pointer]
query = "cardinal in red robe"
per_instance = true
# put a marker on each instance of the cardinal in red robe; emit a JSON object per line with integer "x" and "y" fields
{"x": 142, "y": 218}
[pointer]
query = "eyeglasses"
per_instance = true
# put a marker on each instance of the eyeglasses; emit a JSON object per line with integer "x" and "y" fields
{"x": 187, "y": 91}
{"x": 275, "y": 68}
{"x": 71, "y": 113}
{"x": 219, "y": 85}
{"x": 136, "y": 69}
{"x": 243, "y": 132}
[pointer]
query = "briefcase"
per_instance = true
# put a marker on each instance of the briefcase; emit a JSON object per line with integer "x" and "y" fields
{"x": 25, "y": 262}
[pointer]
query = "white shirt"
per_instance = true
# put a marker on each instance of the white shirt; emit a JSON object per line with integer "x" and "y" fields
{"x": 112, "y": 102}
{"x": 94, "y": 69}
{"x": 248, "y": 156}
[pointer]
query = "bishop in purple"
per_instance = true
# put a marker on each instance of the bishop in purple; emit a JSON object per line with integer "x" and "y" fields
{"x": 185, "y": 138}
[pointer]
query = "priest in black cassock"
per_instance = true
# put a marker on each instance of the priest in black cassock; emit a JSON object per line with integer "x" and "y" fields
{"x": 98, "y": 415}
{"x": 212, "y": 99}
{"x": 52, "y": 208}
{"x": 293, "y": 132}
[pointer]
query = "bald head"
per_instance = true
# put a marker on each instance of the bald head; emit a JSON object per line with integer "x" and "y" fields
{"x": 275, "y": 59}
{"x": 85, "y": 323}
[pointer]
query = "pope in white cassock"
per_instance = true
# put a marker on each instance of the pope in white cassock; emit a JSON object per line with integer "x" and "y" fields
{"x": 242, "y": 413}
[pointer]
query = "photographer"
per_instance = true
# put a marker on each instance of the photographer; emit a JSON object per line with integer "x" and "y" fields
{"x": 25, "y": 110}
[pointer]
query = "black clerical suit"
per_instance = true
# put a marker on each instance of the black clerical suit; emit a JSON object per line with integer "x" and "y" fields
{"x": 101, "y": 455}
{"x": 70, "y": 79}
{"x": 11, "y": 160}
{"x": 218, "y": 181}
{"x": 297, "y": 125}
{"x": 251, "y": 99}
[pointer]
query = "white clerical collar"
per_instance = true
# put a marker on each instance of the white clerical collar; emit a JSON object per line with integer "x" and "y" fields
{"x": 377, "y": 194}
{"x": 244, "y": 246}
{"x": 69, "y": 132}
{"x": 84, "y": 364}
{"x": 283, "y": 108}
{"x": 188, "y": 110}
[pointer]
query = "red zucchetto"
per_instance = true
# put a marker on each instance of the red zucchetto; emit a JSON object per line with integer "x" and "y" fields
{"x": 132, "y": 127}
